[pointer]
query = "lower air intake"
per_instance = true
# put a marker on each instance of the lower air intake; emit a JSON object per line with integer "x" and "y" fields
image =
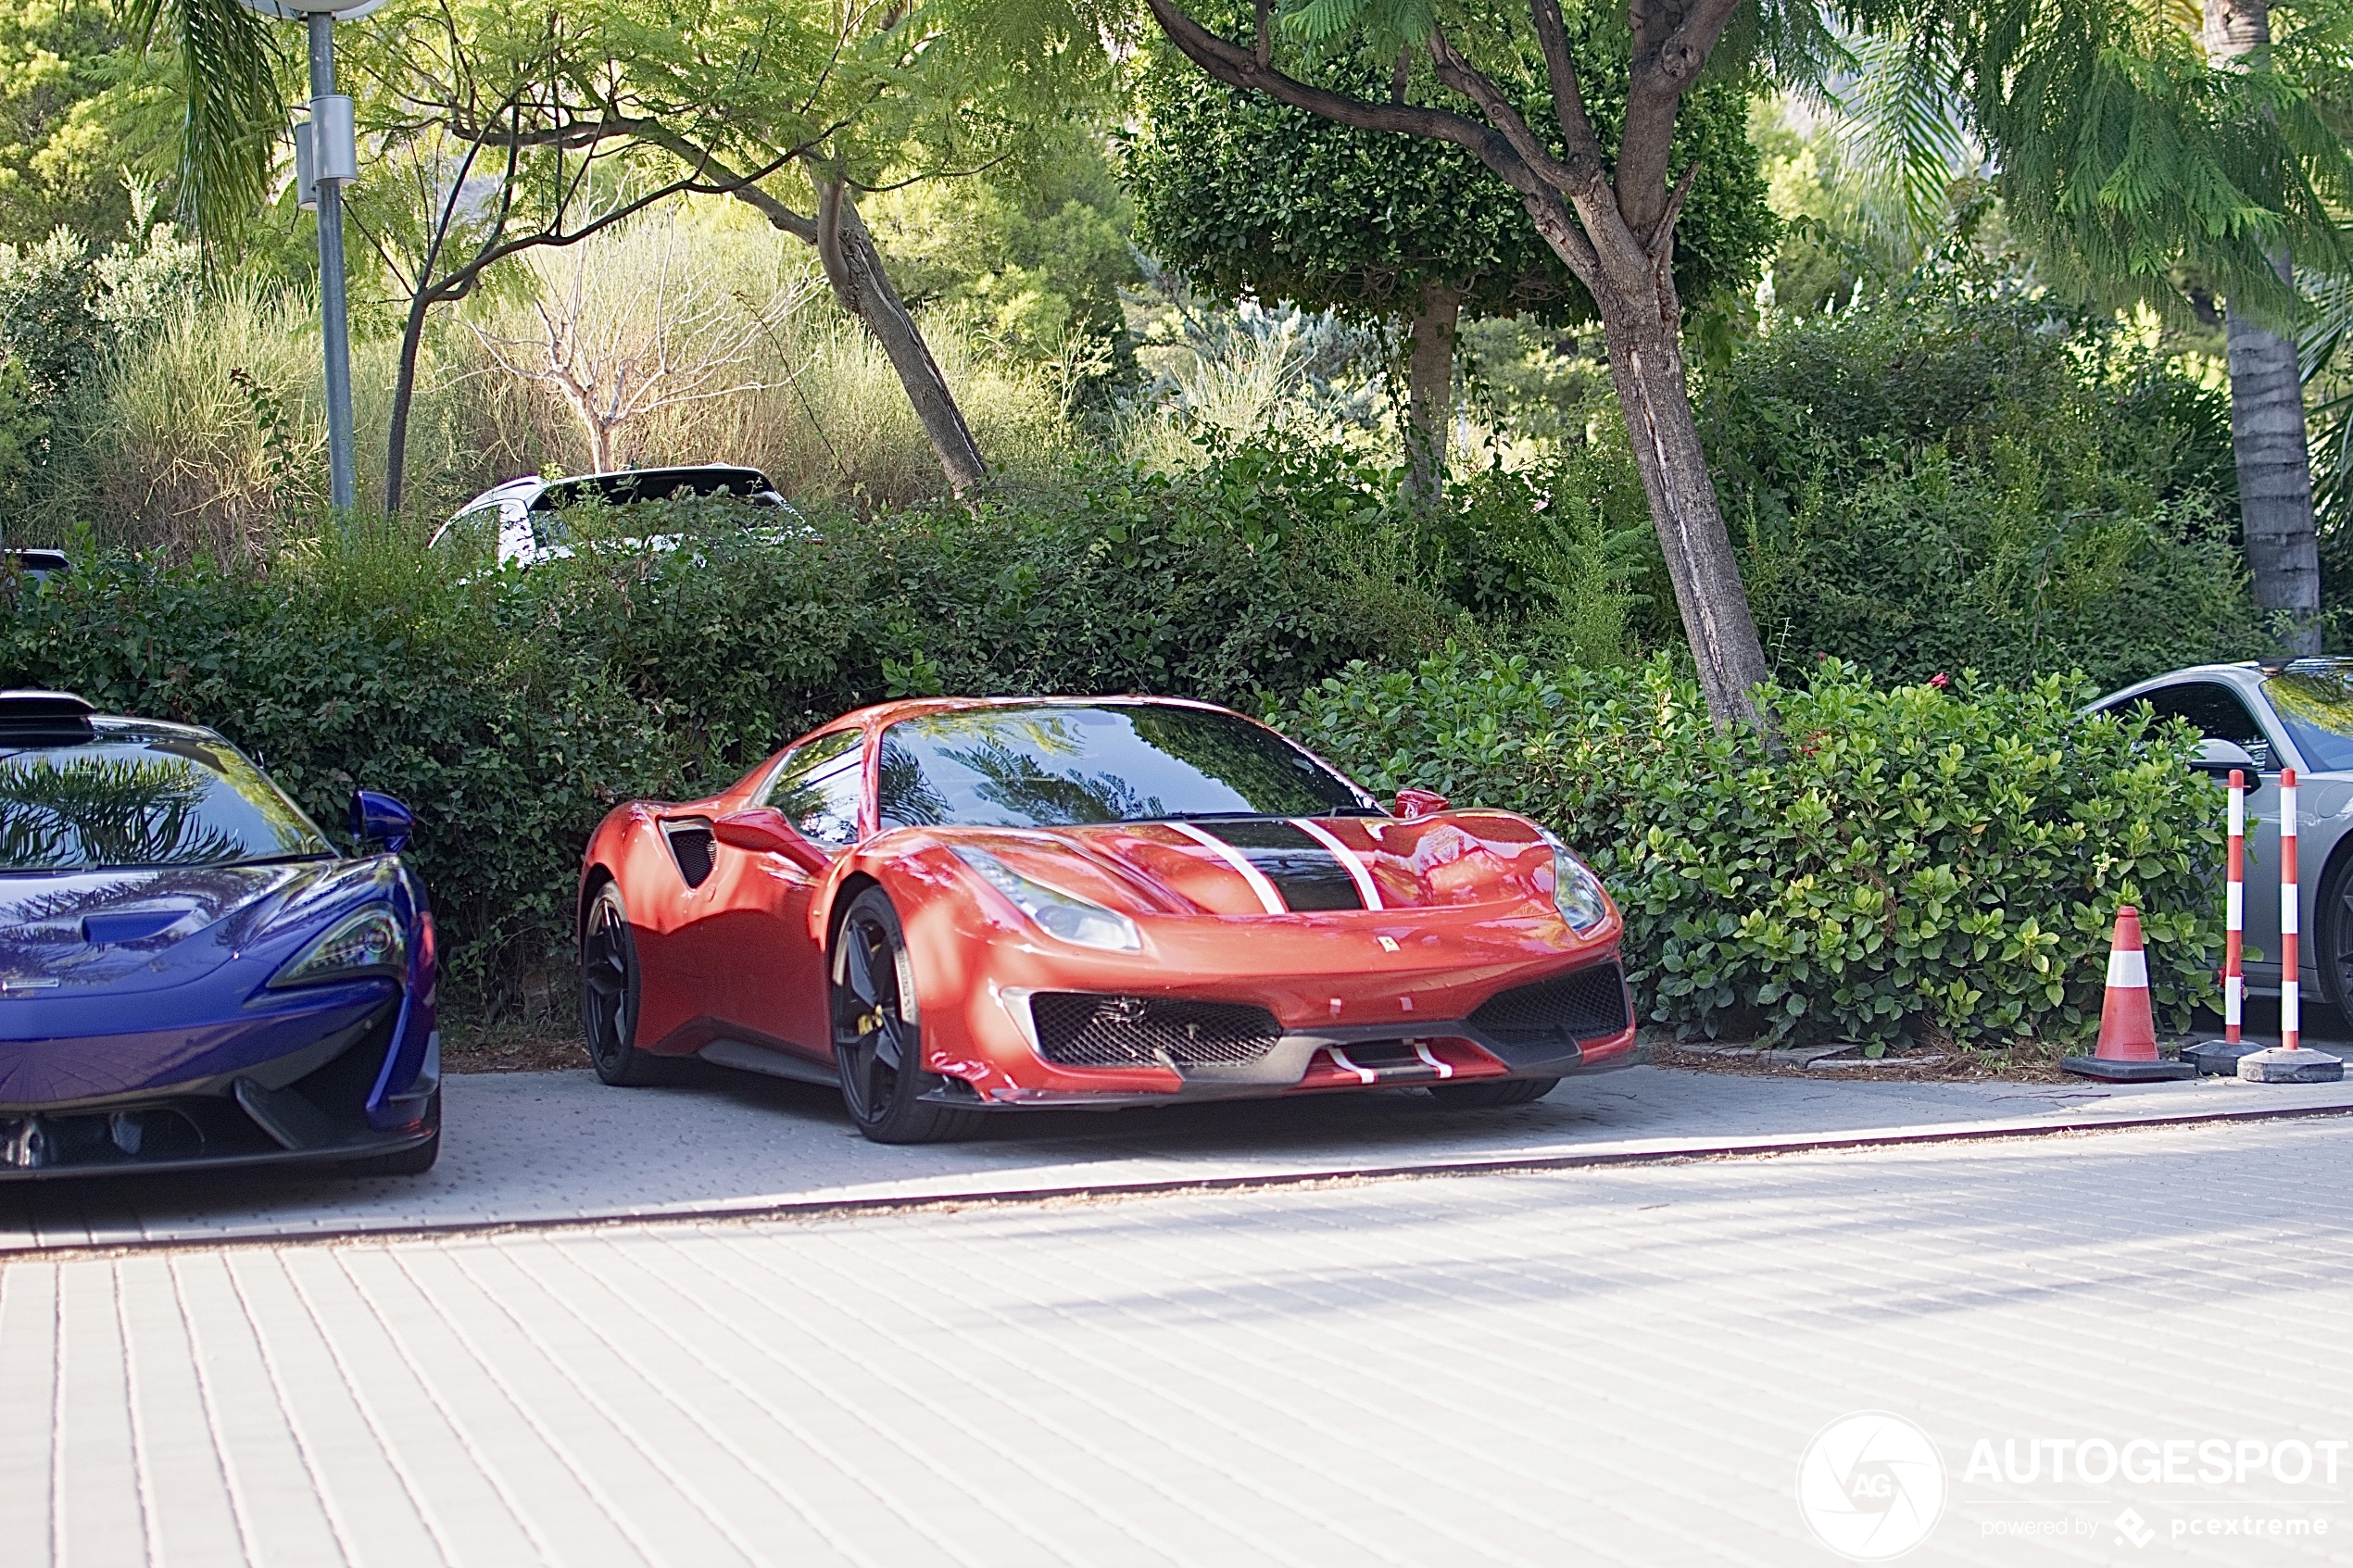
{"x": 1587, "y": 1005}
{"x": 1076, "y": 1029}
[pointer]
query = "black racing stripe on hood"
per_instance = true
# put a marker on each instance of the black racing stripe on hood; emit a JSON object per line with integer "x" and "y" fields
{"x": 1306, "y": 872}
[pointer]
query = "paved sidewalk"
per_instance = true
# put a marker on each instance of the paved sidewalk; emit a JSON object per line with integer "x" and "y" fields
{"x": 556, "y": 1147}
{"x": 1603, "y": 1365}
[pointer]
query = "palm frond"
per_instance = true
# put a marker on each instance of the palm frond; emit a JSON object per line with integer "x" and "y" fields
{"x": 234, "y": 109}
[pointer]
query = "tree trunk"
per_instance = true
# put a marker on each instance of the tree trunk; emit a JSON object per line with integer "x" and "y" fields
{"x": 1646, "y": 368}
{"x": 404, "y": 393}
{"x": 2267, "y": 409}
{"x": 855, "y": 270}
{"x": 1429, "y": 391}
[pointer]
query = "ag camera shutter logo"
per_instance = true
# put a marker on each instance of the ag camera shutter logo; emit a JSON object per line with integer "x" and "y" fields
{"x": 1871, "y": 1485}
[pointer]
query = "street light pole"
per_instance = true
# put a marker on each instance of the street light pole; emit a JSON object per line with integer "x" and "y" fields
{"x": 326, "y": 160}
{"x": 335, "y": 312}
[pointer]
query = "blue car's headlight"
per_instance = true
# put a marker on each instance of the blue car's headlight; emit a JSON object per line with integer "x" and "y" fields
{"x": 1576, "y": 893}
{"x": 370, "y": 942}
{"x": 1057, "y": 913}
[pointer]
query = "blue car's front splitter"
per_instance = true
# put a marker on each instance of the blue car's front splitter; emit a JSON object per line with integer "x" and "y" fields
{"x": 296, "y": 1086}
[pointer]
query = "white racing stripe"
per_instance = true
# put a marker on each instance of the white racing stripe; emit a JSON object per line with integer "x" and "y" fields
{"x": 1358, "y": 872}
{"x": 1270, "y": 900}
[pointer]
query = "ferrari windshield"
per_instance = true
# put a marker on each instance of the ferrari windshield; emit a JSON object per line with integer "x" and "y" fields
{"x": 2314, "y": 699}
{"x": 1055, "y": 766}
{"x": 141, "y": 798}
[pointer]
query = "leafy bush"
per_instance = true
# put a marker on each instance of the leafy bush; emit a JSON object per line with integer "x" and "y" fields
{"x": 1916, "y": 861}
{"x": 1958, "y": 476}
{"x": 514, "y": 709}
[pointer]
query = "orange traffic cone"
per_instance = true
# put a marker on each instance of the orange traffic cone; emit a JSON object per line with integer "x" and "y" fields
{"x": 2127, "y": 1052}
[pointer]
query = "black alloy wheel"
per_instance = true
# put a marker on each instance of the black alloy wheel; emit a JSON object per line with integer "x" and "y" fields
{"x": 878, "y": 1031}
{"x": 609, "y": 986}
{"x": 1491, "y": 1094}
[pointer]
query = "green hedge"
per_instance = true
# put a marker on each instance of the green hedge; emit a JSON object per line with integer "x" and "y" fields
{"x": 1914, "y": 860}
{"x": 512, "y": 711}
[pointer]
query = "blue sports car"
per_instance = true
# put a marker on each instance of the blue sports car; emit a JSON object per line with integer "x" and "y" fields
{"x": 190, "y": 972}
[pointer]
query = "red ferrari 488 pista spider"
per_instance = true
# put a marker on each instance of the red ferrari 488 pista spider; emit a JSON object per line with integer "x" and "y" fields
{"x": 954, "y": 906}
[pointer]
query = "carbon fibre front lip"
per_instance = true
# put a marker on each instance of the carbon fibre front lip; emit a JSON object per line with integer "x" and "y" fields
{"x": 358, "y": 1149}
{"x": 1283, "y": 1067}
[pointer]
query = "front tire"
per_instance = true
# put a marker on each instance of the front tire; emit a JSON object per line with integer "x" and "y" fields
{"x": 1493, "y": 1094}
{"x": 878, "y": 1031}
{"x": 2335, "y": 918}
{"x": 609, "y": 988}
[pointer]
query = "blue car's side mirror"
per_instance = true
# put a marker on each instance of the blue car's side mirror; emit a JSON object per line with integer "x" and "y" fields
{"x": 380, "y": 823}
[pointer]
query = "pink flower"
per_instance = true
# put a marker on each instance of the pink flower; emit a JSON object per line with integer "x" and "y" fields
{"x": 1940, "y": 680}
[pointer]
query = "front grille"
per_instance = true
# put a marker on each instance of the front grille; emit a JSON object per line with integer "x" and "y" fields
{"x": 1589, "y": 1004}
{"x": 1076, "y": 1029}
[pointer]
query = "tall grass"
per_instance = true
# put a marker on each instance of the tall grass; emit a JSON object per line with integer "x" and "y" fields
{"x": 207, "y": 433}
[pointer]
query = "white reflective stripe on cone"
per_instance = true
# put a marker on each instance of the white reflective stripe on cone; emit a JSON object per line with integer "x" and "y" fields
{"x": 2128, "y": 968}
{"x": 2287, "y": 911}
{"x": 2291, "y": 1016}
{"x": 2234, "y": 999}
{"x": 2234, "y": 906}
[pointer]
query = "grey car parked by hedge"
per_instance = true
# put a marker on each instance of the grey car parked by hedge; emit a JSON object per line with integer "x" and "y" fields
{"x": 2260, "y": 718}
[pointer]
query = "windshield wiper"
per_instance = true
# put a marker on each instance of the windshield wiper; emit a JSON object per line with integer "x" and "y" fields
{"x": 283, "y": 859}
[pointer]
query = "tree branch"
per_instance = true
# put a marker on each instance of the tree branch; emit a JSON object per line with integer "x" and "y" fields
{"x": 1578, "y": 177}
{"x": 1569, "y": 94}
{"x": 1663, "y": 69}
{"x": 1237, "y": 67}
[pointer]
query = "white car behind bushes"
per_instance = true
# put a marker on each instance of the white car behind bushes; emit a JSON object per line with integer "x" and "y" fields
{"x": 523, "y": 520}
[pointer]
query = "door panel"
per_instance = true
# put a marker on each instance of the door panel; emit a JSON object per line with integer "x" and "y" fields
{"x": 2218, "y": 712}
{"x": 772, "y": 975}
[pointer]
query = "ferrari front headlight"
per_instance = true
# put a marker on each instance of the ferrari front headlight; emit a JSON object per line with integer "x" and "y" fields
{"x": 1055, "y": 912}
{"x": 1576, "y": 893}
{"x": 370, "y": 942}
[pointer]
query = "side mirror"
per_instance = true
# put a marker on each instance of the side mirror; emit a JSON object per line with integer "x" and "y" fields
{"x": 380, "y": 823}
{"x": 1420, "y": 803}
{"x": 763, "y": 831}
{"x": 2219, "y": 756}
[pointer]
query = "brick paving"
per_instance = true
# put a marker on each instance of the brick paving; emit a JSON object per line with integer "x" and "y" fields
{"x": 1599, "y": 1365}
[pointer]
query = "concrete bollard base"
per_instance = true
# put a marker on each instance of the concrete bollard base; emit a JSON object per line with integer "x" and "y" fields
{"x": 2109, "y": 1070}
{"x": 2281, "y": 1065}
{"x": 2220, "y": 1058}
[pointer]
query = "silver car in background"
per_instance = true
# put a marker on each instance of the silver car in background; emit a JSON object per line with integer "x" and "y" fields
{"x": 2260, "y": 718}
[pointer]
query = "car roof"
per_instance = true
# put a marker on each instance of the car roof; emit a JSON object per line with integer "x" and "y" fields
{"x": 2247, "y": 673}
{"x": 882, "y": 714}
{"x": 47, "y": 717}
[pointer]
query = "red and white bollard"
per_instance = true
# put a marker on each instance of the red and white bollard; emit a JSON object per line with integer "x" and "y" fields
{"x": 2234, "y": 916}
{"x": 2291, "y": 1020}
{"x": 2290, "y": 1063}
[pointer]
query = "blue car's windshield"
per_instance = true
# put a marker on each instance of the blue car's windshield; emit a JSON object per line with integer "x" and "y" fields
{"x": 1053, "y": 766}
{"x": 124, "y": 801}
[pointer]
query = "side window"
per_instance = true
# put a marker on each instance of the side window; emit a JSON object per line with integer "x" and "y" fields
{"x": 820, "y": 788}
{"x": 2216, "y": 713}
